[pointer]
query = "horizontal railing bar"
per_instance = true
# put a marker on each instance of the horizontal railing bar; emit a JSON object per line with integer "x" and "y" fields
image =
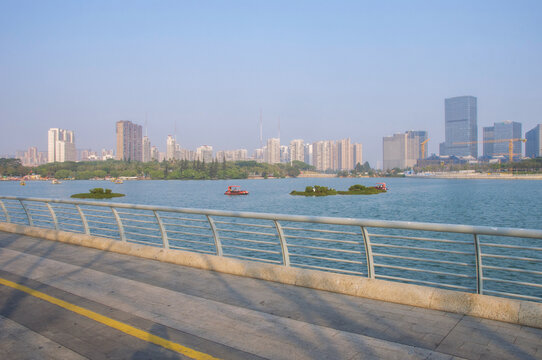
{"x": 188, "y": 233}
{"x": 425, "y": 271}
{"x": 101, "y": 222}
{"x": 70, "y": 224}
{"x": 512, "y": 247}
{"x": 190, "y": 249}
{"x": 35, "y": 211}
{"x": 191, "y": 241}
{"x": 144, "y": 242}
{"x": 327, "y": 258}
{"x": 178, "y": 218}
{"x": 324, "y": 249}
{"x": 326, "y": 268}
{"x": 421, "y": 249}
{"x": 420, "y": 239}
{"x": 250, "y": 241}
{"x": 141, "y": 227}
{"x": 17, "y": 217}
{"x": 99, "y": 228}
{"x": 405, "y": 225}
{"x": 144, "y": 235}
{"x": 322, "y": 231}
{"x": 495, "y": 256}
{"x": 35, "y": 206}
{"x": 243, "y": 224}
{"x": 56, "y": 207}
{"x": 254, "y": 258}
{"x": 486, "y": 291}
{"x": 187, "y": 226}
{"x": 425, "y": 260}
{"x": 124, "y": 221}
{"x": 98, "y": 216}
{"x": 134, "y": 214}
{"x": 322, "y": 239}
{"x": 41, "y": 216}
{"x": 66, "y": 212}
{"x": 69, "y": 218}
{"x": 85, "y": 209}
{"x": 512, "y": 270}
{"x": 246, "y": 232}
{"x": 250, "y": 249}
{"x": 426, "y": 282}
{"x": 512, "y": 282}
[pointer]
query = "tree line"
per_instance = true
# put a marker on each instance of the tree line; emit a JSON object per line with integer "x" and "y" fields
{"x": 167, "y": 169}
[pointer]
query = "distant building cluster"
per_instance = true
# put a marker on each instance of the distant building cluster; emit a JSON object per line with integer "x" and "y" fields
{"x": 502, "y": 141}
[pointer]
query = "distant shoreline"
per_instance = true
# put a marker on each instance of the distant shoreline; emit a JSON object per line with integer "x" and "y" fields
{"x": 478, "y": 176}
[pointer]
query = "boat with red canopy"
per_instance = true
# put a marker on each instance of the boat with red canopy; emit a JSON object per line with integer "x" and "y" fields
{"x": 235, "y": 190}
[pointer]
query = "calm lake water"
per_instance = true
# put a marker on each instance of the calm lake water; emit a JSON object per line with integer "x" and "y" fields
{"x": 506, "y": 203}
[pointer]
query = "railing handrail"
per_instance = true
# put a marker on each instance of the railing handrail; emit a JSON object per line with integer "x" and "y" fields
{"x": 395, "y": 224}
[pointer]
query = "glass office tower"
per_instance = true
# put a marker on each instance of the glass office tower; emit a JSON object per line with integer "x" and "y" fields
{"x": 461, "y": 132}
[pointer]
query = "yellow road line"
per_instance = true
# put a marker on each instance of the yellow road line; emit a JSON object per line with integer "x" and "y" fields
{"x": 125, "y": 328}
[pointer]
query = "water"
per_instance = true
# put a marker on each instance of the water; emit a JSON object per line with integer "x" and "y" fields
{"x": 504, "y": 203}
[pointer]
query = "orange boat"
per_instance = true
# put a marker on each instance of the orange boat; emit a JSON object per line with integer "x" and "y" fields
{"x": 235, "y": 190}
{"x": 381, "y": 186}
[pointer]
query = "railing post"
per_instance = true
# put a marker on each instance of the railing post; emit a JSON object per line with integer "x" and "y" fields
{"x": 163, "y": 231}
{"x": 368, "y": 253}
{"x": 479, "y": 270}
{"x": 5, "y": 211}
{"x": 119, "y": 224}
{"x": 283, "y": 245}
{"x": 30, "y": 222}
{"x": 218, "y": 244}
{"x": 83, "y": 219}
{"x": 53, "y": 215}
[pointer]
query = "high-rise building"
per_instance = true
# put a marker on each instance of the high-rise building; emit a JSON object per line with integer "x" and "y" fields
{"x": 155, "y": 153}
{"x": 488, "y": 136}
{"x": 61, "y": 145}
{"x": 308, "y": 154}
{"x": 533, "y": 146}
{"x": 402, "y": 150}
{"x": 146, "y": 156}
{"x": 272, "y": 154}
{"x": 171, "y": 148}
{"x": 497, "y": 139}
{"x": 232, "y": 155}
{"x": 461, "y": 128}
{"x": 205, "y": 153}
{"x": 345, "y": 155}
{"x": 322, "y": 155}
{"x": 297, "y": 150}
{"x": 358, "y": 154}
{"x": 129, "y": 141}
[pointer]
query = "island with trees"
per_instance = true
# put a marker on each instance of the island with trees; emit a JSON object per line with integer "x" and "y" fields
{"x": 352, "y": 190}
{"x": 97, "y": 193}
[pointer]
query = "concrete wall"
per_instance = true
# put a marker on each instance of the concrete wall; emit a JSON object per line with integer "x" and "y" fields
{"x": 484, "y": 306}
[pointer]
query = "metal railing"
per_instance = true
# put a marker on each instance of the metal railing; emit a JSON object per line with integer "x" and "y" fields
{"x": 485, "y": 260}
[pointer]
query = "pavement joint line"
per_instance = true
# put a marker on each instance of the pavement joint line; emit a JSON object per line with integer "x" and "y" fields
{"x": 115, "y": 324}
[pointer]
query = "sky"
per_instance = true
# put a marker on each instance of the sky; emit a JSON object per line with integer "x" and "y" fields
{"x": 205, "y": 70}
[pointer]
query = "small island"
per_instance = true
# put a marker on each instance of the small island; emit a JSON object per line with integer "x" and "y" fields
{"x": 352, "y": 190}
{"x": 97, "y": 193}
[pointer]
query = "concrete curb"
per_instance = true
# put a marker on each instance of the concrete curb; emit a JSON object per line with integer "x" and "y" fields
{"x": 484, "y": 306}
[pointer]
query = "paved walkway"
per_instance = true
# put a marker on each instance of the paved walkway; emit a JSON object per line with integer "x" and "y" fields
{"x": 219, "y": 315}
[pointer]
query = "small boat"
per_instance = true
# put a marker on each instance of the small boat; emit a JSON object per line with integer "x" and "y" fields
{"x": 381, "y": 186}
{"x": 55, "y": 181}
{"x": 235, "y": 190}
{"x": 118, "y": 181}
{"x": 23, "y": 183}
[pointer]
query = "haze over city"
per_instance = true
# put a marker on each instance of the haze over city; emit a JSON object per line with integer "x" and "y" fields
{"x": 205, "y": 71}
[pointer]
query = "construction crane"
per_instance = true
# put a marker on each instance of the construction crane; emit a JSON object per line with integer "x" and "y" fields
{"x": 423, "y": 146}
{"x": 509, "y": 141}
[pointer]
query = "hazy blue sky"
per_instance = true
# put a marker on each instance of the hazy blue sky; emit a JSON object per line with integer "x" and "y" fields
{"x": 328, "y": 70}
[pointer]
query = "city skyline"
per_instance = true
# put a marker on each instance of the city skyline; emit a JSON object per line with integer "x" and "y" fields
{"x": 208, "y": 71}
